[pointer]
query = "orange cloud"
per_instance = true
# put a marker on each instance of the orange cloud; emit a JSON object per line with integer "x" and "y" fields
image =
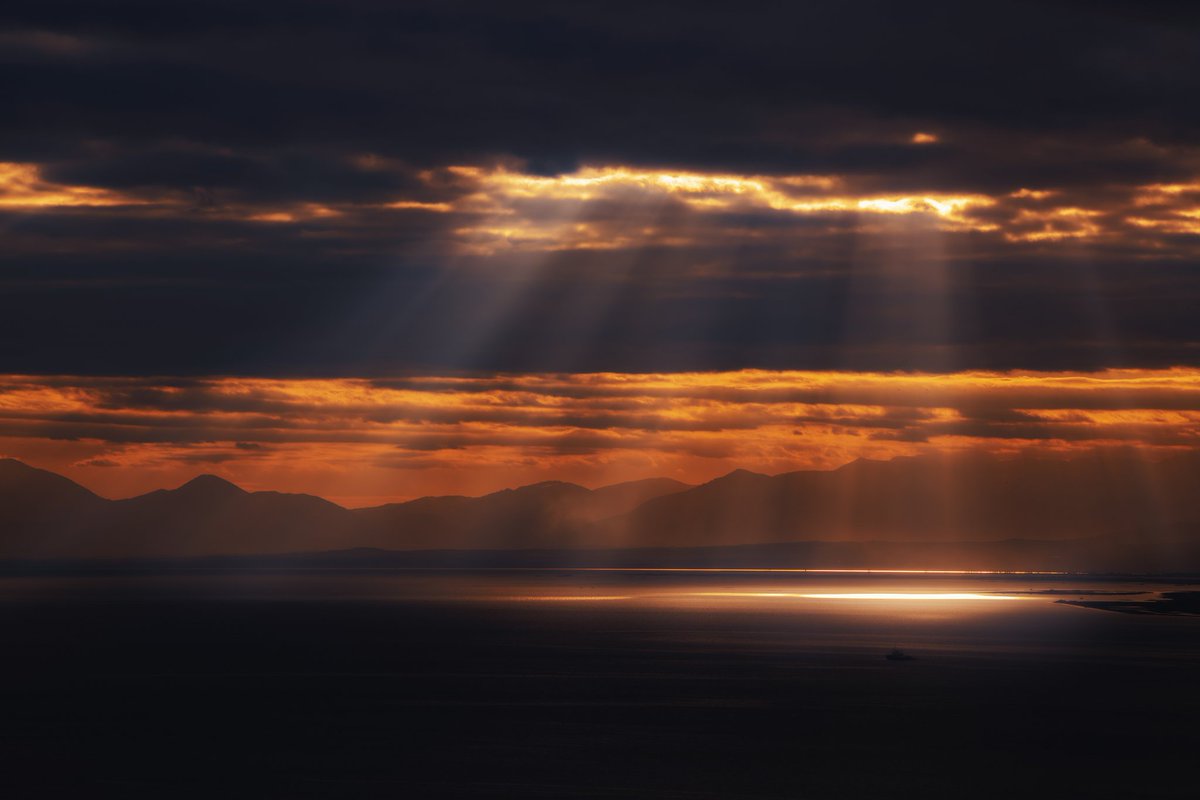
{"x": 497, "y": 209}
{"x": 362, "y": 441}
{"x": 22, "y": 186}
{"x": 521, "y": 211}
{"x": 605, "y": 208}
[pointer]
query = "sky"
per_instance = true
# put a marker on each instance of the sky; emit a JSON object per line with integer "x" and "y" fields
{"x": 375, "y": 251}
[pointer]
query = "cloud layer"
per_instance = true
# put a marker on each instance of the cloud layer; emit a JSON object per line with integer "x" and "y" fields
{"x": 367, "y": 440}
{"x": 350, "y": 189}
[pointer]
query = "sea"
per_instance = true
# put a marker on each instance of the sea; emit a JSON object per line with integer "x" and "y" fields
{"x": 545, "y": 683}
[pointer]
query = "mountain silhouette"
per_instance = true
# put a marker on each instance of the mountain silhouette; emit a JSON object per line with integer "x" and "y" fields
{"x": 1123, "y": 506}
{"x": 41, "y": 512}
{"x": 548, "y": 514}
{"x": 211, "y": 515}
{"x": 45, "y": 515}
{"x": 963, "y": 497}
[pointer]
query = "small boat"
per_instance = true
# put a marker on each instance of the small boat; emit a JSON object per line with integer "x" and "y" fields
{"x": 899, "y": 655}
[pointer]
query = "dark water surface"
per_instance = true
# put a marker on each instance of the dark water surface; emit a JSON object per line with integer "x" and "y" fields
{"x": 547, "y": 684}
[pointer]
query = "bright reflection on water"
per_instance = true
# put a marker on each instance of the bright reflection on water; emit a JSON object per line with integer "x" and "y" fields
{"x": 769, "y": 591}
{"x": 561, "y": 598}
{"x": 874, "y": 595}
{"x": 773, "y": 598}
{"x": 810, "y": 594}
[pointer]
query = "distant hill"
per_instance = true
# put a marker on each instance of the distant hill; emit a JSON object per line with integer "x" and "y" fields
{"x": 549, "y": 514}
{"x": 911, "y": 511}
{"x": 210, "y": 515}
{"x": 929, "y": 498}
{"x": 41, "y": 512}
{"x": 46, "y": 515}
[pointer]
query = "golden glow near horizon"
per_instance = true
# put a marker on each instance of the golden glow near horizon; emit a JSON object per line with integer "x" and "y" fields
{"x": 363, "y": 441}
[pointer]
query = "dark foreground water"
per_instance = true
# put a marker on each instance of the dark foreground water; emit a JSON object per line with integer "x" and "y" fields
{"x": 591, "y": 685}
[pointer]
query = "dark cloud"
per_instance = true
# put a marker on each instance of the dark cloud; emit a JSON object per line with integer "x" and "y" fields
{"x": 558, "y": 83}
{"x": 217, "y": 121}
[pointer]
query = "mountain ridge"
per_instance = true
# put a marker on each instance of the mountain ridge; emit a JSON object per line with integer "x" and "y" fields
{"x": 943, "y": 499}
